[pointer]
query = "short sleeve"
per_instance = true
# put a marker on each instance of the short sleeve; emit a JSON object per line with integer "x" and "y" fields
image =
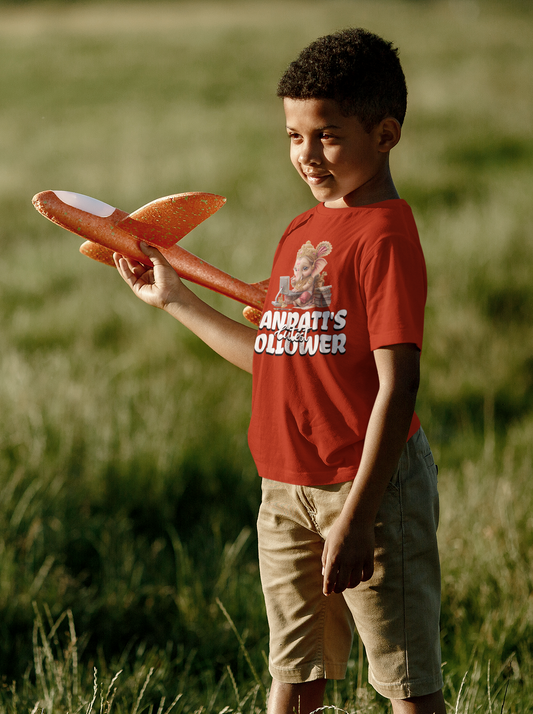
{"x": 395, "y": 288}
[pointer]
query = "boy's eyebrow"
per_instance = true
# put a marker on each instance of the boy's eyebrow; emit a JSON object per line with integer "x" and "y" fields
{"x": 320, "y": 128}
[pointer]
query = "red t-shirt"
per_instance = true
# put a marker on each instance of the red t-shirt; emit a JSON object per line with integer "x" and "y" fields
{"x": 344, "y": 283}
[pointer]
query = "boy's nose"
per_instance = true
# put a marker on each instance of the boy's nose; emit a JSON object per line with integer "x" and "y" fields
{"x": 308, "y": 159}
{"x": 308, "y": 155}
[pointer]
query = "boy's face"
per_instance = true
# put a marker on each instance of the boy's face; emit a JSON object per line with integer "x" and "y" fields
{"x": 340, "y": 162}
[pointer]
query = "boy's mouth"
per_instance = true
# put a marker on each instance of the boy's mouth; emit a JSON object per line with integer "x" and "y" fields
{"x": 315, "y": 179}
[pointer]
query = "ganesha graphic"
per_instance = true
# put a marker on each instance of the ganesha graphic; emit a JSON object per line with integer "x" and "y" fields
{"x": 306, "y": 288}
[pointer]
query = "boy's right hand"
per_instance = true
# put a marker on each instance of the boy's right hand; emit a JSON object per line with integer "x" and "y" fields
{"x": 158, "y": 286}
{"x": 161, "y": 287}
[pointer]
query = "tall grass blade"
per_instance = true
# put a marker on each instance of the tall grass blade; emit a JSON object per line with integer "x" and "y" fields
{"x": 505, "y": 695}
{"x": 95, "y": 692}
{"x": 110, "y": 694}
{"x": 463, "y": 682}
{"x": 74, "y": 650}
{"x": 243, "y": 647}
{"x": 235, "y": 688}
{"x": 489, "y": 688}
{"x": 143, "y": 690}
{"x": 176, "y": 700}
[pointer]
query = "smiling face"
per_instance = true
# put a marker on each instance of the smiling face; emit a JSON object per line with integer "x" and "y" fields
{"x": 342, "y": 164}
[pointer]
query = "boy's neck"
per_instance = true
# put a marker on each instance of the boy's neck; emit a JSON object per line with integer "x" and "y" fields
{"x": 379, "y": 188}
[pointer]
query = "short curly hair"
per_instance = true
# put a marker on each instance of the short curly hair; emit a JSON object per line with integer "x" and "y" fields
{"x": 354, "y": 67}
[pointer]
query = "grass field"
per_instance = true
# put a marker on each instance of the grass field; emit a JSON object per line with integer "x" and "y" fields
{"x": 128, "y": 496}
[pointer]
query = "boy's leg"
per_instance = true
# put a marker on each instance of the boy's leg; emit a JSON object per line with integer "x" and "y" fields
{"x": 310, "y": 634}
{"x": 309, "y": 696}
{"x": 300, "y": 698}
{"x": 397, "y": 610}
{"x": 429, "y": 704}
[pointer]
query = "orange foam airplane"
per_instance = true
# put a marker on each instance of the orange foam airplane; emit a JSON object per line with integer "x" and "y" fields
{"x": 160, "y": 223}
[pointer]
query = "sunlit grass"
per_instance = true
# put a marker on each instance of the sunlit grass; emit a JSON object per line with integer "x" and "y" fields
{"x": 128, "y": 496}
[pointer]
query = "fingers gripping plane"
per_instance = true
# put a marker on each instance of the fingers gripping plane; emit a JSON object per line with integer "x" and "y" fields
{"x": 161, "y": 223}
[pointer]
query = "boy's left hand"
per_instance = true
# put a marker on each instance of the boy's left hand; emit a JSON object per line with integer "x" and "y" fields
{"x": 348, "y": 555}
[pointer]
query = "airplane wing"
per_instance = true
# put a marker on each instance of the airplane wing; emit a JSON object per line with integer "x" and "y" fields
{"x": 97, "y": 252}
{"x": 253, "y": 314}
{"x": 167, "y": 220}
{"x": 262, "y": 285}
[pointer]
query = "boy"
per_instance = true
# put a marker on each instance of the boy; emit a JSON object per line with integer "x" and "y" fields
{"x": 347, "y": 525}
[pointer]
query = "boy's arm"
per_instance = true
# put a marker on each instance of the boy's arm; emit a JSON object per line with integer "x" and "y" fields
{"x": 161, "y": 287}
{"x": 348, "y": 556}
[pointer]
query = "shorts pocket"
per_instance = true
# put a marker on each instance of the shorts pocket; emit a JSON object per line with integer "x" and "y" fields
{"x": 430, "y": 464}
{"x": 394, "y": 483}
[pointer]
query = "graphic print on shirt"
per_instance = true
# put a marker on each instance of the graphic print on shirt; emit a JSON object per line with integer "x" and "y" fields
{"x": 306, "y": 288}
{"x": 308, "y": 330}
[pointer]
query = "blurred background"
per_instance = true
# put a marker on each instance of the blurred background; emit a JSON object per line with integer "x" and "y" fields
{"x": 127, "y": 494}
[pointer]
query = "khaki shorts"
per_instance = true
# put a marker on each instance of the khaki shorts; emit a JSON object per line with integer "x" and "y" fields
{"x": 396, "y": 612}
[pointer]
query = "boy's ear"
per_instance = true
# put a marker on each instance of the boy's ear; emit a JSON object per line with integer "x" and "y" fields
{"x": 389, "y": 133}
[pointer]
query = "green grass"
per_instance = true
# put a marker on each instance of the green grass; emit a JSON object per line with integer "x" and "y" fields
{"x": 127, "y": 493}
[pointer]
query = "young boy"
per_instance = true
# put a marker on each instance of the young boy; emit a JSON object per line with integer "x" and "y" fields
{"x": 347, "y": 525}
